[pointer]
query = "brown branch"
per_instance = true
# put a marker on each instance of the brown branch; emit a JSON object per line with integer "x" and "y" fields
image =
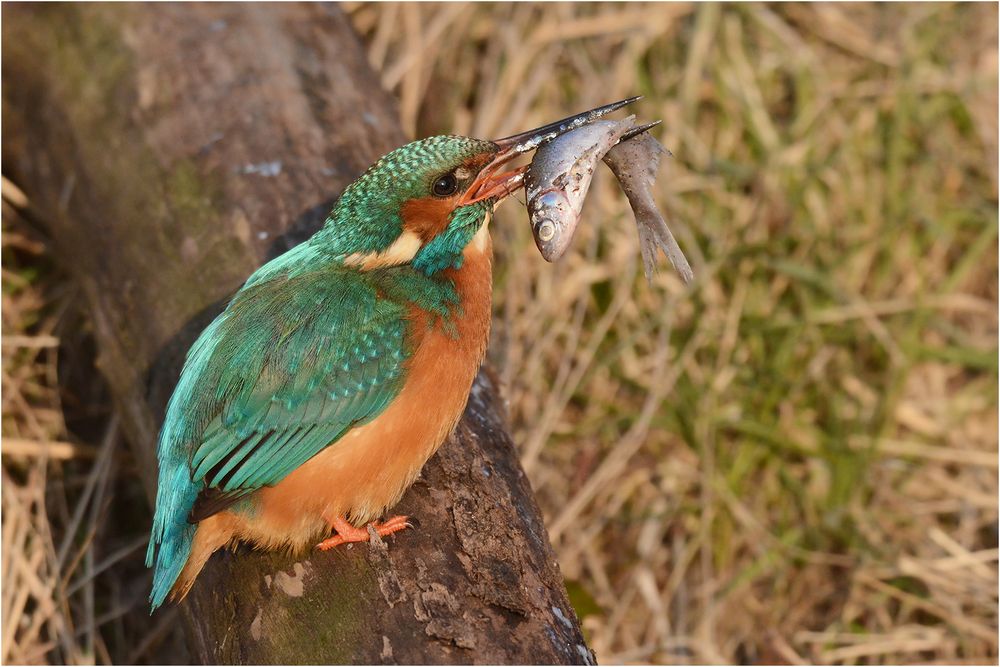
{"x": 173, "y": 148}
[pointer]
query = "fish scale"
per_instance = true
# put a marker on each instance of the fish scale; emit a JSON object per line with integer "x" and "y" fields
{"x": 558, "y": 180}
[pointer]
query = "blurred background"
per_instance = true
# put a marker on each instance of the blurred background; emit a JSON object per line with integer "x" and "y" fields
{"x": 793, "y": 460}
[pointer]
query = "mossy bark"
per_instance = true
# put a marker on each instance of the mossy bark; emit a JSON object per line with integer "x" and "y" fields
{"x": 174, "y": 148}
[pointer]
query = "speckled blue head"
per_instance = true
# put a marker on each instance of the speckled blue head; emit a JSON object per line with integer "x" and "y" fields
{"x": 429, "y": 178}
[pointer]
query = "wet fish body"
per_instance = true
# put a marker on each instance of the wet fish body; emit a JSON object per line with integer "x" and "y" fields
{"x": 559, "y": 177}
{"x": 635, "y": 163}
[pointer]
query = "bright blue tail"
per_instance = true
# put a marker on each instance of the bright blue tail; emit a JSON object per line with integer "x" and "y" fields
{"x": 171, "y": 558}
{"x": 172, "y": 536}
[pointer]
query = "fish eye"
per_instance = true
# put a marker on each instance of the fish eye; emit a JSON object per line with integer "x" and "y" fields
{"x": 546, "y": 230}
{"x": 445, "y": 185}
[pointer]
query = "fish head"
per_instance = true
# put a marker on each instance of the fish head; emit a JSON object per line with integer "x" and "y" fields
{"x": 553, "y": 219}
{"x": 559, "y": 177}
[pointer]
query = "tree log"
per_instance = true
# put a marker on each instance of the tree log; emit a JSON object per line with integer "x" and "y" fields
{"x": 171, "y": 150}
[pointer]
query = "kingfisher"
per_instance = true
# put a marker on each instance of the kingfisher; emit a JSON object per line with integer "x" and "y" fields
{"x": 311, "y": 403}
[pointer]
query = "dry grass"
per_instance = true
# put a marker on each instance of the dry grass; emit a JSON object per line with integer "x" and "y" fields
{"x": 72, "y": 558}
{"x": 794, "y": 460}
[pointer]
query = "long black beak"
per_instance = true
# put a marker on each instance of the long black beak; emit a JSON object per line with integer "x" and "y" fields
{"x": 490, "y": 184}
{"x": 525, "y": 141}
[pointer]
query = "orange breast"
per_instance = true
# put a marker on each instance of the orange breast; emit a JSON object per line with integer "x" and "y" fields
{"x": 368, "y": 469}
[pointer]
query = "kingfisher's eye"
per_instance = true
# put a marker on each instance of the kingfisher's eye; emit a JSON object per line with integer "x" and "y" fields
{"x": 445, "y": 185}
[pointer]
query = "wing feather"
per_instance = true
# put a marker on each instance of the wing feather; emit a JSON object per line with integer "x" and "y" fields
{"x": 295, "y": 382}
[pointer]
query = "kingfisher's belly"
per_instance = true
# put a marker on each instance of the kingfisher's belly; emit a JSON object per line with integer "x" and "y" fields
{"x": 367, "y": 470}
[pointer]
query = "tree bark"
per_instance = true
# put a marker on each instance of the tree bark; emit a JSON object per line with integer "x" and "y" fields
{"x": 172, "y": 149}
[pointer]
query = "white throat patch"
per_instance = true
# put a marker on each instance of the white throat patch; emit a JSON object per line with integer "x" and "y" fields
{"x": 402, "y": 251}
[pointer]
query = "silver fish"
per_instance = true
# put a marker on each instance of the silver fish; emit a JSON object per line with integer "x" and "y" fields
{"x": 559, "y": 177}
{"x": 634, "y": 162}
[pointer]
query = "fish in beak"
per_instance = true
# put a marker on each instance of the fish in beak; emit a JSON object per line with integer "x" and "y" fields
{"x": 492, "y": 182}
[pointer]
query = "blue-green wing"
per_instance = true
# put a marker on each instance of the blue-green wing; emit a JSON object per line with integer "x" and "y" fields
{"x": 303, "y": 352}
{"x": 296, "y": 364}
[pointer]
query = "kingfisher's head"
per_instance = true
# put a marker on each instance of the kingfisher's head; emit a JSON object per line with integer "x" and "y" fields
{"x": 425, "y": 202}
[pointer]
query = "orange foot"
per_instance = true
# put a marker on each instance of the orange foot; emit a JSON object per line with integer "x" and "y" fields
{"x": 348, "y": 533}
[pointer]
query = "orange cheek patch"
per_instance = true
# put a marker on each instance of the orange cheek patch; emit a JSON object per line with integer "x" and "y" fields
{"x": 428, "y": 216}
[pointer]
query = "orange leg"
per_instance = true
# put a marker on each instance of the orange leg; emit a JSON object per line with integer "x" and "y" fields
{"x": 348, "y": 533}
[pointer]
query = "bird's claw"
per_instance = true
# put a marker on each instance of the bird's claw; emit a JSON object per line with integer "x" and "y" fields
{"x": 346, "y": 533}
